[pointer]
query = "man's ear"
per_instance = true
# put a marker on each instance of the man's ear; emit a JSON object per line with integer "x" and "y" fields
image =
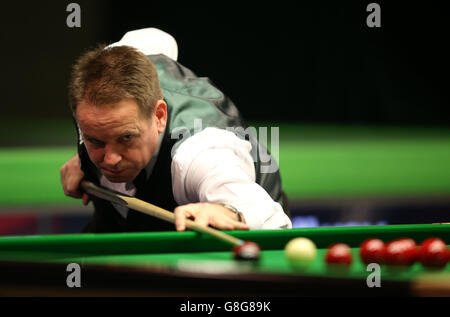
{"x": 160, "y": 115}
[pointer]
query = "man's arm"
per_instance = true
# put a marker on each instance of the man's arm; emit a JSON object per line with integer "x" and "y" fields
{"x": 217, "y": 215}
{"x": 215, "y": 166}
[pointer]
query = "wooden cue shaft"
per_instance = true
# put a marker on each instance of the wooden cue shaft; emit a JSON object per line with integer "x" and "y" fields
{"x": 152, "y": 210}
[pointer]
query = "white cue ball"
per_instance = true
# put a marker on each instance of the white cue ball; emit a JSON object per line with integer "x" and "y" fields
{"x": 300, "y": 252}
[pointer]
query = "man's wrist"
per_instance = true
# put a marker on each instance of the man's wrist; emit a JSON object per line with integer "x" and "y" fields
{"x": 237, "y": 212}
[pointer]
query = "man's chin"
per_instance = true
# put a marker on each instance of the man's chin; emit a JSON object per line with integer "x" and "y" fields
{"x": 118, "y": 178}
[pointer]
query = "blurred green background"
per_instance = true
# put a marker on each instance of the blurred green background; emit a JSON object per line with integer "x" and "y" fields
{"x": 316, "y": 161}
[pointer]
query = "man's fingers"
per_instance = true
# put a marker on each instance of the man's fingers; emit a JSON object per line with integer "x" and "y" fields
{"x": 231, "y": 225}
{"x": 71, "y": 186}
{"x": 202, "y": 219}
{"x": 181, "y": 213}
{"x": 86, "y": 199}
{"x": 71, "y": 176}
{"x": 206, "y": 214}
{"x": 241, "y": 226}
{"x": 180, "y": 224}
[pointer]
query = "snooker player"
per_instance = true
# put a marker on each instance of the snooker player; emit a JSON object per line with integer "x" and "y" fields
{"x": 137, "y": 113}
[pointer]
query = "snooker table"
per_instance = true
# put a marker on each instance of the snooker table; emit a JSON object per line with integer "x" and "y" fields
{"x": 193, "y": 264}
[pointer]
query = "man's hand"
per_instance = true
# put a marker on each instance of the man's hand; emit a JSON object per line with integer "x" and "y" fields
{"x": 71, "y": 176}
{"x": 207, "y": 214}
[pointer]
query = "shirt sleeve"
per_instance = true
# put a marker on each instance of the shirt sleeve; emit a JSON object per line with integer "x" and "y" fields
{"x": 216, "y": 166}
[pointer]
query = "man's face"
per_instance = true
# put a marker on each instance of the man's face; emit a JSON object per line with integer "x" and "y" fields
{"x": 119, "y": 141}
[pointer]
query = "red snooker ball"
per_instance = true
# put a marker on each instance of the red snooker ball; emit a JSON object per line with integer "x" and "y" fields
{"x": 433, "y": 253}
{"x": 372, "y": 251}
{"x": 339, "y": 253}
{"x": 400, "y": 252}
{"x": 249, "y": 251}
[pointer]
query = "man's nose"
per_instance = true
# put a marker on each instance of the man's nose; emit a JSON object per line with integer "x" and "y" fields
{"x": 112, "y": 157}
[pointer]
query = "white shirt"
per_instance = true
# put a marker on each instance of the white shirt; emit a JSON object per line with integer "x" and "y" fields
{"x": 216, "y": 166}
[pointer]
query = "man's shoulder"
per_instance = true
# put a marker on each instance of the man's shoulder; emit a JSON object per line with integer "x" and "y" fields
{"x": 175, "y": 78}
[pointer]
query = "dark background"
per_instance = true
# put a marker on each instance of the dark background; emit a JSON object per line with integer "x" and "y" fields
{"x": 308, "y": 61}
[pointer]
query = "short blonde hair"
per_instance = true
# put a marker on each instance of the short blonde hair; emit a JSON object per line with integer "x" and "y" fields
{"x": 108, "y": 75}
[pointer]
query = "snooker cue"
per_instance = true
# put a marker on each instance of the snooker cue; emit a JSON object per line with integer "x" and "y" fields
{"x": 152, "y": 210}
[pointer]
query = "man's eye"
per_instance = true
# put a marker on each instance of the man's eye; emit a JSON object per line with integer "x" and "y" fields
{"x": 95, "y": 142}
{"x": 127, "y": 138}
